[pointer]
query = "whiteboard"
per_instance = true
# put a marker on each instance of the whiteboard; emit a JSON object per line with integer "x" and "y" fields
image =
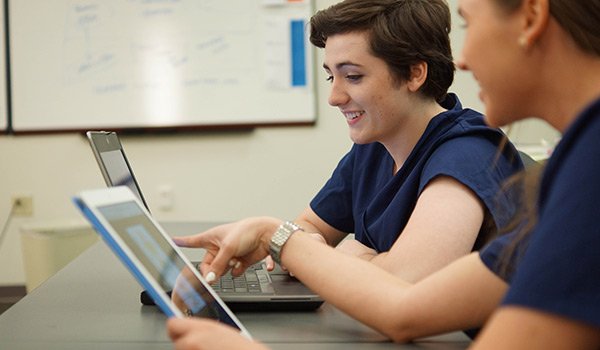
{"x": 83, "y": 64}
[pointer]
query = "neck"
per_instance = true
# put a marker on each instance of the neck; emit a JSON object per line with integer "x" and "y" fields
{"x": 578, "y": 89}
{"x": 570, "y": 80}
{"x": 401, "y": 144}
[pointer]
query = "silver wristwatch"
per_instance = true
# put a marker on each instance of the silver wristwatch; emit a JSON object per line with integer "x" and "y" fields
{"x": 284, "y": 231}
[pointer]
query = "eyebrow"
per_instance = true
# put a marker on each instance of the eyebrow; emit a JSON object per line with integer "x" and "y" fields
{"x": 342, "y": 65}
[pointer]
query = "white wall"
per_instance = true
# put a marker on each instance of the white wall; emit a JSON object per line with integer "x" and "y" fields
{"x": 214, "y": 176}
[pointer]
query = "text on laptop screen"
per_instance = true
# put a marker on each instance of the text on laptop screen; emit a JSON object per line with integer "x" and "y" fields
{"x": 162, "y": 262}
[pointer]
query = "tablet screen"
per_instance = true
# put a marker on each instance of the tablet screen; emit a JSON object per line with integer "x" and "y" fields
{"x": 163, "y": 262}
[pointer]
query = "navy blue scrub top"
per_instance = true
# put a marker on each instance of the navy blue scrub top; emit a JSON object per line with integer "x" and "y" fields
{"x": 364, "y": 197}
{"x": 558, "y": 271}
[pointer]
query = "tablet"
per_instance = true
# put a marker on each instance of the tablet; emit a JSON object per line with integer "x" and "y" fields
{"x": 151, "y": 256}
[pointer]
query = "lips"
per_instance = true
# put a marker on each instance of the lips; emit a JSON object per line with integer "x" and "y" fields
{"x": 353, "y": 115}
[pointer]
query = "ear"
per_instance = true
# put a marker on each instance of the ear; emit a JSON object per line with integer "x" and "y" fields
{"x": 418, "y": 75}
{"x": 536, "y": 15}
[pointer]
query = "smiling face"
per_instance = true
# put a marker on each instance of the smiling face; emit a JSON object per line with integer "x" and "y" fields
{"x": 498, "y": 62}
{"x": 363, "y": 89}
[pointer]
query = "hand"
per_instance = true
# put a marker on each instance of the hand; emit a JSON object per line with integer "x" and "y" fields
{"x": 357, "y": 249}
{"x": 236, "y": 245}
{"x": 199, "y": 334}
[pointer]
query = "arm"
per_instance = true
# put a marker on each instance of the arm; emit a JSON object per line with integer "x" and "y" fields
{"x": 386, "y": 303}
{"x": 459, "y": 296}
{"x": 311, "y": 222}
{"x": 521, "y": 328}
{"x": 443, "y": 227}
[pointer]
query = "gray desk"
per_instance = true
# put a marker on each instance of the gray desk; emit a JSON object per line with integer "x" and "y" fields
{"x": 93, "y": 303}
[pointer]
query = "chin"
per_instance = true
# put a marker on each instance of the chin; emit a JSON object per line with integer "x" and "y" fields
{"x": 492, "y": 117}
{"x": 490, "y": 121}
{"x": 357, "y": 139}
{"x": 490, "y": 113}
{"x": 496, "y": 120}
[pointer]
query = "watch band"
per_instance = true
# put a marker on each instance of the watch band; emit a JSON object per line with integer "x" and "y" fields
{"x": 281, "y": 235}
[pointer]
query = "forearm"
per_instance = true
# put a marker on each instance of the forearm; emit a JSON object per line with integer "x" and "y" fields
{"x": 368, "y": 300}
{"x": 396, "y": 308}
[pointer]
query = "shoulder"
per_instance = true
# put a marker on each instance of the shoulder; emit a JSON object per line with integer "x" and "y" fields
{"x": 462, "y": 130}
{"x": 472, "y": 152}
{"x": 468, "y": 140}
{"x": 574, "y": 164}
{"x": 580, "y": 141}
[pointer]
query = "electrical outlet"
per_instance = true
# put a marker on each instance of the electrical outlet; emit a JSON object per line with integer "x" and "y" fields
{"x": 22, "y": 205}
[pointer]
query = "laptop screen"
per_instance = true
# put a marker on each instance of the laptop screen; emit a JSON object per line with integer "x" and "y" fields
{"x": 162, "y": 261}
{"x": 112, "y": 161}
{"x": 118, "y": 171}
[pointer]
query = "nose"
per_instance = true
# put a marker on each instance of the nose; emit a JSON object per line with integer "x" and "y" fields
{"x": 337, "y": 95}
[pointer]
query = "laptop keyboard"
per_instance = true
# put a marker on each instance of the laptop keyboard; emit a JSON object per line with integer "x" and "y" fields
{"x": 254, "y": 281}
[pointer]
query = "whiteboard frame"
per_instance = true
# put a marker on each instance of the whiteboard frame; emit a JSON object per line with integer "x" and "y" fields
{"x": 27, "y": 124}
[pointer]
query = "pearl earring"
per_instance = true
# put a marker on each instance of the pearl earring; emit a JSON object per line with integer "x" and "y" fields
{"x": 523, "y": 42}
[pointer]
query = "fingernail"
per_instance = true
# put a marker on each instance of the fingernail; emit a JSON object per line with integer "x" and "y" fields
{"x": 210, "y": 277}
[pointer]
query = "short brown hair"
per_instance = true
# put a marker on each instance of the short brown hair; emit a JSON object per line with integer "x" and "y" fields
{"x": 401, "y": 32}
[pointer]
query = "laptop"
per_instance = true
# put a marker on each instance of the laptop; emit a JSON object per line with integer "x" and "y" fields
{"x": 151, "y": 256}
{"x": 256, "y": 290}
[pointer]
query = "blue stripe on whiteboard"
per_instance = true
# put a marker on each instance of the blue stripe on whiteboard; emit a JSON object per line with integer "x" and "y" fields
{"x": 298, "y": 53}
